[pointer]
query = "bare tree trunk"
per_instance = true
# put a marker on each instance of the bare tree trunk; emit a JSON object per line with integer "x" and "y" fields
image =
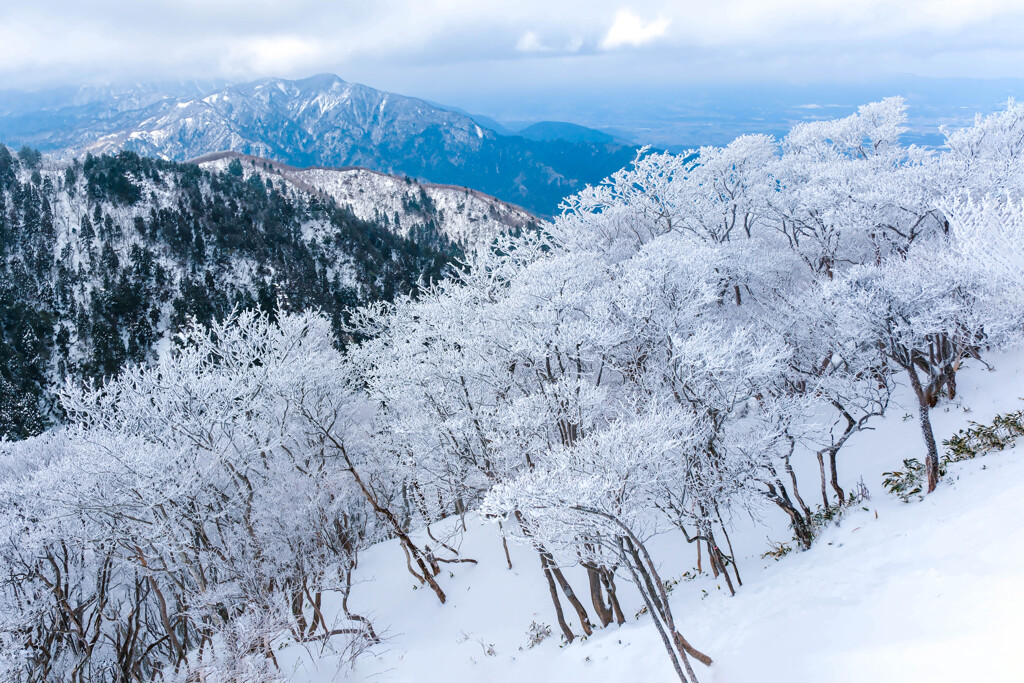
{"x": 608, "y": 578}
{"x": 653, "y": 582}
{"x": 504, "y": 544}
{"x": 566, "y": 631}
{"x": 570, "y": 595}
{"x": 792, "y": 477}
{"x": 801, "y": 525}
{"x": 370, "y": 633}
{"x": 728, "y": 542}
{"x": 601, "y": 608}
{"x": 553, "y": 572}
{"x": 924, "y": 408}
{"x": 652, "y": 610}
{"x": 824, "y": 484}
{"x": 390, "y": 518}
{"x": 711, "y": 559}
{"x": 692, "y": 651}
{"x": 301, "y": 626}
{"x": 719, "y": 558}
{"x": 832, "y": 452}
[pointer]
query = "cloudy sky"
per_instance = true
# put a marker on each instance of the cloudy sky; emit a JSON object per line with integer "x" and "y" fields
{"x": 466, "y": 51}
{"x": 552, "y": 41}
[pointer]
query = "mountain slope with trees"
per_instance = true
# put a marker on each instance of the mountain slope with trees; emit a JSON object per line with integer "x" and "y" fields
{"x": 420, "y": 211}
{"x": 100, "y": 261}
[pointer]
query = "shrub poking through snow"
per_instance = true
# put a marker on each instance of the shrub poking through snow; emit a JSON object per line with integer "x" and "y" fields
{"x": 778, "y": 551}
{"x": 979, "y": 439}
{"x": 537, "y": 634}
{"x": 907, "y": 482}
{"x": 966, "y": 444}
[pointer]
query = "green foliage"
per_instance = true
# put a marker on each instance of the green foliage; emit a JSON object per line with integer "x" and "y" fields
{"x": 974, "y": 441}
{"x": 823, "y": 516}
{"x": 116, "y": 178}
{"x": 979, "y": 439}
{"x": 30, "y": 157}
{"x": 778, "y": 551}
{"x": 8, "y": 166}
{"x": 906, "y": 483}
{"x": 70, "y": 178}
{"x": 536, "y": 634}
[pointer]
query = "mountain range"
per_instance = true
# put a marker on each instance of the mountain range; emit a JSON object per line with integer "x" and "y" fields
{"x": 318, "y": 121}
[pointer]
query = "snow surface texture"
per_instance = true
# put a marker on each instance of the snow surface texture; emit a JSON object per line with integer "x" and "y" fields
{"x": 465, "y": 217}
{"x": 925, "y": 591}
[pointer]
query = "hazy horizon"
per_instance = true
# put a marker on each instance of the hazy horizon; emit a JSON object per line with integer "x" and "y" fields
{"x": 673, "y": 116}
{"x": 601, "y": 63}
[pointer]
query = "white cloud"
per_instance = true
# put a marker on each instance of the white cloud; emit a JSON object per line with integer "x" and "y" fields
{"x": 630, "y": 30}
{"x": 395, "y": 43}
{"x": 266, "y": 54}
{"x": 530, "y": 42}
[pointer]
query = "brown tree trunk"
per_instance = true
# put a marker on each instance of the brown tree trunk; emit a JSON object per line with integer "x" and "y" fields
{"x": 601, "y": 608}
{"x": 835, "y": 475}
{"x": 801, "y": 525}
{"x": 390, "y": 518}
{"x": 570, "y": 595}
{"x": 728, "y": 542}
{"x": 566, "y": 631}
{"x": 651, "y": 609}
{"x": 924, "y": 409}
{"x": 608, "y": 578}
{"x": 300, "y": 619}
{"x": 653, "y": 581}
{"x": 712, "y": 560}
{"x": 504, "y": 544}
{"x": 691, "y": 650}
{"x": 792, "y": 478}
{"x": 824, "y": 480}
{"x": 370, "y": 633}
{"x": 719, "y": 558}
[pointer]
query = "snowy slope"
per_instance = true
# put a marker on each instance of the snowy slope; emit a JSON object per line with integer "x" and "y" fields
{"x": 465, "y": 217}
{"x": 926, "y": 591}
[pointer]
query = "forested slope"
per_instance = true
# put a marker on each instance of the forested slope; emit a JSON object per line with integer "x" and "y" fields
{"x": 101, "y": 260}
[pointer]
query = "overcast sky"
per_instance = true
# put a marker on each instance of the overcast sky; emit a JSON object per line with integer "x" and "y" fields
{"x": 443, "y": 48}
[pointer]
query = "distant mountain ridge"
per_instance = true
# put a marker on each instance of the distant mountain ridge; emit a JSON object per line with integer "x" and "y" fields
{"x": 569, "y": 132}
{"x": 419, "y": 211}
{"x": 325, "y": 121}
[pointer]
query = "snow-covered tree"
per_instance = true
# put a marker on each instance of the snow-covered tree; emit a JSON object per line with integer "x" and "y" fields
{"x": 598, "y": 494}
{"x": 181, "y": 498}
{"x": 652, "y": 362}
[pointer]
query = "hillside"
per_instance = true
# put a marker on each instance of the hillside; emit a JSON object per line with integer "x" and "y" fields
{"x": 895, "y": 592}
{"x": 317, "y": 121}
{"x": 411, "y": 209}
{"x": 101, "y": 261}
